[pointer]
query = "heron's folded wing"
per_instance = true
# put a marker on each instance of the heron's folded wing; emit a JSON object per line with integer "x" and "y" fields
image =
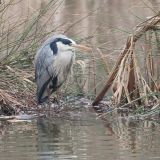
{"x": 45, "y": 71}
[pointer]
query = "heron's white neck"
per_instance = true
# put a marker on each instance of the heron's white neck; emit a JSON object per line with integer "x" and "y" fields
{"x": 65, "y": 58}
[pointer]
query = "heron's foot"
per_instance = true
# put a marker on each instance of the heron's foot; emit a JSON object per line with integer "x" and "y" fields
{"x": 56, "y": 101}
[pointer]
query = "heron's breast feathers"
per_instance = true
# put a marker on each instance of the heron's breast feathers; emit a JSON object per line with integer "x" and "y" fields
{"x": 62, "y": 65}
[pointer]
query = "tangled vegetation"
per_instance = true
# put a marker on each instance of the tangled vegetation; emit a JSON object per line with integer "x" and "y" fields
{"x": 135, "y": 77}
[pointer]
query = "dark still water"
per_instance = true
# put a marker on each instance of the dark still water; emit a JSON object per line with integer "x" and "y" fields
{"x": 80, "y": 137}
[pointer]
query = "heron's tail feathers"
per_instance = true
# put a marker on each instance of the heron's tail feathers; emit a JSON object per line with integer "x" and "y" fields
{"x": 42, "y": 100}
{"x": 43, "y": 92}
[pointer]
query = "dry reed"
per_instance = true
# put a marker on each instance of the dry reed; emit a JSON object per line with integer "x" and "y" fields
{"x": 127, "y": 78}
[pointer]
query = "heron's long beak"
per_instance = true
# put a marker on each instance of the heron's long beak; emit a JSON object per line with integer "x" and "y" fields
{"x": 82, "y": 47}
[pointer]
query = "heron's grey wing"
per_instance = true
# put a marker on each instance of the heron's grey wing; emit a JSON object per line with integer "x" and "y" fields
{"x": 44, "y": 72}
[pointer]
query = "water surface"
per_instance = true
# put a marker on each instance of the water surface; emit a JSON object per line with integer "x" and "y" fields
{"x": 81, "y": 137}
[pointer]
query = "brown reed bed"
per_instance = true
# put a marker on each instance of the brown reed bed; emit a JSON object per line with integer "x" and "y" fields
{"x": 136, "y": 81}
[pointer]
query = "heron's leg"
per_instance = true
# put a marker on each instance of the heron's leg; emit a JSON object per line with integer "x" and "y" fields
{"x": 49, "y": 104}
{"x": 49, "y": 108}
{"x": 59, "y": 95}
{"x": 38, "y": 109}
{"x": 56, "y": 98}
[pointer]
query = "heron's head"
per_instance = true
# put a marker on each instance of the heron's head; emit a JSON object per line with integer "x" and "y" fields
{"x": 63, "y": 44}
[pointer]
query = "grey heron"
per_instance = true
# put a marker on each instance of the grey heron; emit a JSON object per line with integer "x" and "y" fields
{"x": 53, "y": 62}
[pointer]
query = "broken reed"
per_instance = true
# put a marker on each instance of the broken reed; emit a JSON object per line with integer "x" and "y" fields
{"x": 130, "y": 85}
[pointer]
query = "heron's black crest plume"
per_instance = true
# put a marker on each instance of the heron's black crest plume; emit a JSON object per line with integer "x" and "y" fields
{"x": 64, "y": 41}
{"x": 53, "y": 44}
{"x": 54, "y": 48}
